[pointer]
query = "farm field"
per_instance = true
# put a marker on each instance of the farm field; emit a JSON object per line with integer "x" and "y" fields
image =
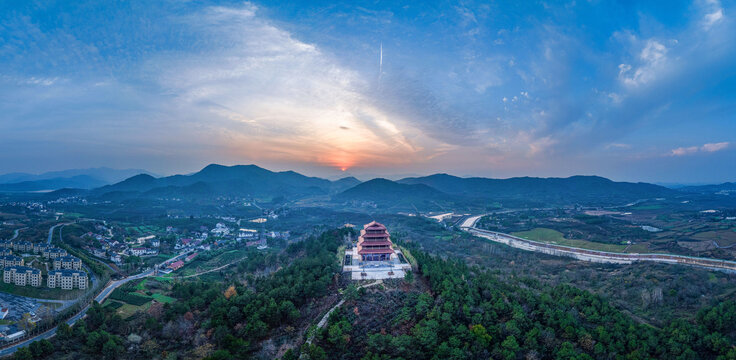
{"x": 136, "y": 297}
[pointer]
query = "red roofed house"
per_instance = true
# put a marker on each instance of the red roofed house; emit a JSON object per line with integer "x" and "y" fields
{"x": 374, "y": 243}
{"x": 190, "y": 257}
{"x": 176, "y": 265}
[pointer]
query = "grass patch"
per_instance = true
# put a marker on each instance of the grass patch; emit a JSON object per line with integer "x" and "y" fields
{"x": 163, "y": 298}
{"x": 129, "y": 297}
{"x": 41, "y": 292}
{"x": 141, "y": 285}
{"x": 551, "y": 236}
{"x": 128, "y": 310}
{"x": 113, "y": 304}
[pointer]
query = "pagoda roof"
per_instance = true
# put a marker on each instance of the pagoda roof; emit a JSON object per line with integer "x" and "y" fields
{"x": 381, "y": 235}
{"x": 374, "y": 226}
{"x": 374, "y": 243}
{"x": 376, "y": 251}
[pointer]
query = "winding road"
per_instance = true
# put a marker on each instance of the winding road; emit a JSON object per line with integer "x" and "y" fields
{"x": 593, "y": 255}
{"x": 103, "y": 294}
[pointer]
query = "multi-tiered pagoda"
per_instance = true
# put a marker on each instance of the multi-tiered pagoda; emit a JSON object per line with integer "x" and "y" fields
{"x": 374, "y": 243}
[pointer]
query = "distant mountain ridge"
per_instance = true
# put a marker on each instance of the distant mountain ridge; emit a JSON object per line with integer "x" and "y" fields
{"x": 436, "y": 191}
{"x": 727, "y": 186}
{"x": 73, "y": 178}
{"x": 574, "y": 188}
{"x": 220, "y": 180}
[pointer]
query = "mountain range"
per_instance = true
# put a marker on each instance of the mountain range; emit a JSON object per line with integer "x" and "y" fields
{"x": 436, "y": 191}
{"x": 218, "y": 180}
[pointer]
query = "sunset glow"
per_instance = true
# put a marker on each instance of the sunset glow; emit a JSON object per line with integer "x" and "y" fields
{"x": 334, "y": 90}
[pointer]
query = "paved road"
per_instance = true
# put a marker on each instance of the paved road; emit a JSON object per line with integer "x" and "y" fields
{"x": 16, "y": 233}
{"x": 99, "y": 298}
{"x": 51, "y": 231}
{"x": 594, "y": 255}
{"x": 111, "y": 286}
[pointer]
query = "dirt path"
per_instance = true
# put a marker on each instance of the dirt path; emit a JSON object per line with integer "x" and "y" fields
{"x": 322, "y": 322}
{"x": 208, "y": 271}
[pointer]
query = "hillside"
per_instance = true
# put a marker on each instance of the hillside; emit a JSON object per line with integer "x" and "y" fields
{"x": 387, "y": 193}
{"x": 574, "y": 189}
{"x": 218, "y": 180}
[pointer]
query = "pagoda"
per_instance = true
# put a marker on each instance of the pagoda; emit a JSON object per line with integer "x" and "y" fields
{"x": 374, "y": 243}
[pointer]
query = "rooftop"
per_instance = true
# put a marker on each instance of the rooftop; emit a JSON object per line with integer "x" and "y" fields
{"x": 67, "y": 272}
{"x": 19, "y": 268}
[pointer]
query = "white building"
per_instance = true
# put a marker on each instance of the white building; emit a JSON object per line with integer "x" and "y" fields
{"x": 68, "y": 262}
{"x": 22, "y": 276}
{"x": 53, "y": 253}
{"x": 67, "y": 279}
{"x": 220, "y": 230}
{"x": 10, "y": 260}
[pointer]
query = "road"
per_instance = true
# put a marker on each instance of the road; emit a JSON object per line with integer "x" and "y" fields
{"x": 593, "y": 255}
{"x": 99, "y": 298}
{"x": 16, "y": 233}
{"x": 51, "y": 231}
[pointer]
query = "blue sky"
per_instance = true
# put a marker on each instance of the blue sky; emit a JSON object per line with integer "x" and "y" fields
{"x": 642, "y": 91}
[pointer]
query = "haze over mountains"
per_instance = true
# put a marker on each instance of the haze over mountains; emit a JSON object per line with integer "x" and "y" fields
{"x": 433, "y": 191}
{"x": 426, "y": 191}
{"x": 73, "y": 178}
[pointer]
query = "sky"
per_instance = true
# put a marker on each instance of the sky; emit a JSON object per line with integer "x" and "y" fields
{"x": 629, "y": 90}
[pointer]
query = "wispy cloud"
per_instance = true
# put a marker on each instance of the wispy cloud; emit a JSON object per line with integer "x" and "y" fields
{"x": 652, "y": 57}
{"x": 709, "y": 147}
{"x": 713, "y": 13}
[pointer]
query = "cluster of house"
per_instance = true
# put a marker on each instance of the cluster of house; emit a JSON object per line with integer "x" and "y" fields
{"x": 116, "y": 249}
{"x": 67, "y": 273}
{"x": 142, "y": 251}
{"x": 220, "y": 230}
{"x": 193, "y": 243}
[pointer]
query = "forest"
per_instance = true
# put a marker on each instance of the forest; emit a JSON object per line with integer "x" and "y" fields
{"x": 446, "y": 309}
{"x": 215, "y": 320}
{"x": 476, "y": 314}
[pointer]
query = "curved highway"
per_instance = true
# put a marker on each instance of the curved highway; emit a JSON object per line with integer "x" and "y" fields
{"x": 592, "y": 255}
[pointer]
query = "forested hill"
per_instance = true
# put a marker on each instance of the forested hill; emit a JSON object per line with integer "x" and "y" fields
{"x": 574, "y": 189}
{"x": 445, "y": 311}
{"x": 474, "y": 314}
{"x": 218, "y": 180}
{"x": 387, "y": 193}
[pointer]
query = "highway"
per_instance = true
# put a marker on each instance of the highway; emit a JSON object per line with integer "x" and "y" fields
{"x": 593, "y": 255}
